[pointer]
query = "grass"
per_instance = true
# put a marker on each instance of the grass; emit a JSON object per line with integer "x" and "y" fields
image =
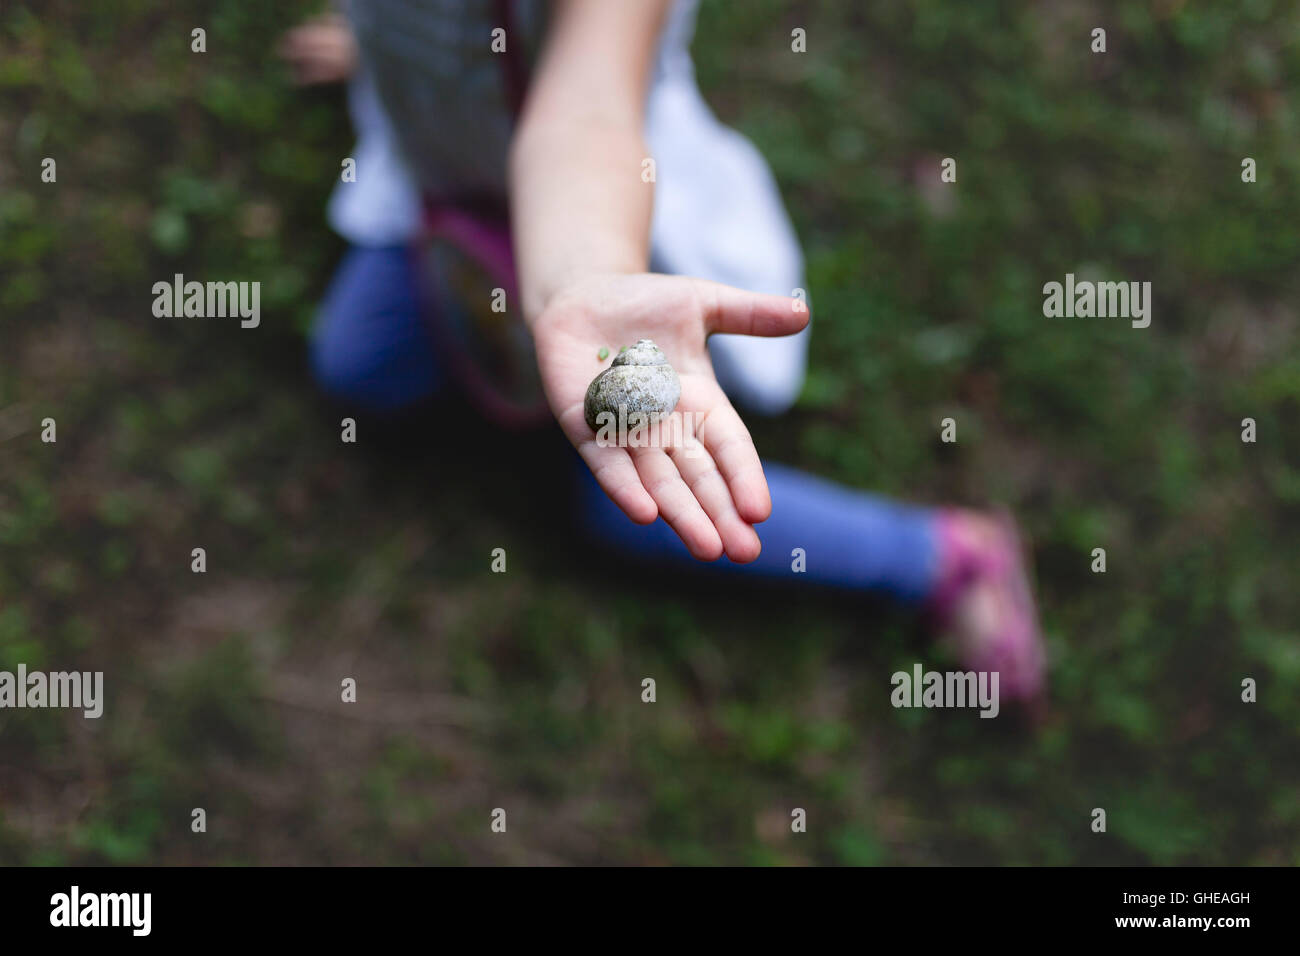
{"x": 523, "y": 690}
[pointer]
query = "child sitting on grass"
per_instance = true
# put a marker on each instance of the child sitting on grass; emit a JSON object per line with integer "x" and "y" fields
{"x": 702, "y": 259}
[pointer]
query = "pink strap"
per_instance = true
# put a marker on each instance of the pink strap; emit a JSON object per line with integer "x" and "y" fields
{"x": 486, "y": 240}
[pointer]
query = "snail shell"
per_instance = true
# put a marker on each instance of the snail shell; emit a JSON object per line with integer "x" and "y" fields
{"x": 640, "y": 380}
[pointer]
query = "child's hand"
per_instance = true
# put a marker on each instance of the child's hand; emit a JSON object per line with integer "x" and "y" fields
{"x": 321, "y": 50}
{"x": 711, "y": 498}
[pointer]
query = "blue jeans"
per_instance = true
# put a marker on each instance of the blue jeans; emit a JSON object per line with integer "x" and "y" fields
{"x": 370, "y": 347}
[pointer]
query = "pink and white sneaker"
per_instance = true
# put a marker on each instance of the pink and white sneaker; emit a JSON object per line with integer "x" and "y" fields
{"x": 985, "y": 602}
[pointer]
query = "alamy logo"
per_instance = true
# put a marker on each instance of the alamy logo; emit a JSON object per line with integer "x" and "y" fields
{"x": 950, "y": 689}
{"x": 57, "y": 689}
{"x": 649, "y": 430}
{"x": 1123, "y": 300}
{"x": 74, "y": 908}
{"x": 208, "y": 300}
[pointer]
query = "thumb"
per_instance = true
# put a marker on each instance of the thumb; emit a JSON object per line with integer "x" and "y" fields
{"x": 731, "y": 310}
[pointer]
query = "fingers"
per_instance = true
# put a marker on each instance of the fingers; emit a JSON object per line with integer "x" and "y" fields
{"x": 677, "y": 504}
{"x": 731, "y": 310}
{"x": 618, "y": 478}
{"x": 727, "y": 440}
{"x": 686, "y": 490}
{"x": 701, "y": 475}
{"x": 611, "y": 466}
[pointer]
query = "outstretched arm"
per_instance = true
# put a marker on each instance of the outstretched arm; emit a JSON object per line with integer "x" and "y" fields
{"x": 581, "y": 220}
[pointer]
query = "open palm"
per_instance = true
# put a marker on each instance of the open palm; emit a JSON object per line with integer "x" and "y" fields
{"x": 714, "y": 495}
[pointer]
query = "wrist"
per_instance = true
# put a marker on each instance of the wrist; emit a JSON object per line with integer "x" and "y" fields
{"x": 538, "y": 298}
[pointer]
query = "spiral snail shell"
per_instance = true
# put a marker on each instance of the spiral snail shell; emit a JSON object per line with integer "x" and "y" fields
{"x": 639, "y": 380}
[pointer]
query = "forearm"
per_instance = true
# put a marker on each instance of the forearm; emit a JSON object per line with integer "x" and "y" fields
{"x": 579, "y": 204}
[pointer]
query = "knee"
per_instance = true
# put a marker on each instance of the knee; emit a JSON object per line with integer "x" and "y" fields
{"x": 339, "y": 371}
{"x": 375, "y": 380}
{"x": 369, "y": 346}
